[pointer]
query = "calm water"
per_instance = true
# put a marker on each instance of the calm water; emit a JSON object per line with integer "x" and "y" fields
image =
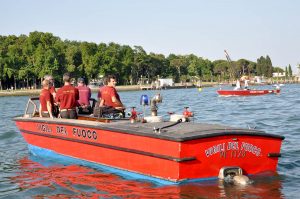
{"x": 26, "y": 176}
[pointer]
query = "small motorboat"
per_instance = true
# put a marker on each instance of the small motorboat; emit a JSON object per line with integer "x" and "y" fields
{"x": 172, "y": 151}
{"x": 247, "y": 92}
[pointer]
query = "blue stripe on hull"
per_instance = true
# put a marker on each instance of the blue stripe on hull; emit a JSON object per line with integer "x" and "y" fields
{"x": 62, "y": 159}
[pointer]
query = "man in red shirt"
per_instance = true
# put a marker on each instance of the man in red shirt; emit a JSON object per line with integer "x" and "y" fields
{"x": 67, "y": 97}
{"x": 55, "y": 109}
{"x": 51, "y": 85}
{"x": 109, "y": 95}
{"x": 45, "y": 109}
{"x": 84, "y": 97}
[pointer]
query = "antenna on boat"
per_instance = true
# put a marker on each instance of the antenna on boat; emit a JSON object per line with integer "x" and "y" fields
{"x": 232, "y": 74}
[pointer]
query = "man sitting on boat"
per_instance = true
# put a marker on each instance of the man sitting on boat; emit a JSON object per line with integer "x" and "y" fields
{"x": 85, "y": 93}
{"x": 45, "y": 109}
{"x": 110, "y": 99}
{"x": 238, "y": 85}
{"x": 67, "y": 97}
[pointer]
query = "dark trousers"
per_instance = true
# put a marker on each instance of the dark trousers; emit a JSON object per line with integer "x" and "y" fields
{"x": 68, "y": 114}
{"x": 45, "y": 114}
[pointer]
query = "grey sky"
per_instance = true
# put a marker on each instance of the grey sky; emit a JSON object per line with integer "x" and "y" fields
{"x": 246, "y": 29}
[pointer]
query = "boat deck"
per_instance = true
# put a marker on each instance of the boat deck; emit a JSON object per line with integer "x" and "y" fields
{"x": 180, "y": 132}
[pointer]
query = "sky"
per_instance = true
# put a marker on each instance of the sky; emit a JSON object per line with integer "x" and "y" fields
{"x": 247, "y": 29}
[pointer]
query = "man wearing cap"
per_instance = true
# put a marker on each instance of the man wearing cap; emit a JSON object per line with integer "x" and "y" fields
{"x": 67, "y": 97}
{"x": 84, "y": 97}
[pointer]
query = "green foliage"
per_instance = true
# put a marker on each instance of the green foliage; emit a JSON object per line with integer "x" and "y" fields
{"x": 264, "y": 66}
{"x": 25, "y": 60}
{"x": 290, "y": 71}
{"x": 278, "y": 70}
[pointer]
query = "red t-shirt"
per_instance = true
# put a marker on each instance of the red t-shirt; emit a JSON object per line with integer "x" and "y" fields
{"x": 84, "y": 95}
{"x": 45, "y": 96}
{"x": 52, "y": 90}
{"x": 67, "y": 96}
{"x": 107, "y": 92}
{"x": 99, "y": 92}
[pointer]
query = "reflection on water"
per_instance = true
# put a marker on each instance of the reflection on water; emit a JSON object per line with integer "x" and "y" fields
{"x": 76, "y": 181}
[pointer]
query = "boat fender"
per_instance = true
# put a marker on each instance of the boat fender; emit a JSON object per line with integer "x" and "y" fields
{"x": 153, "y": 119}
{"x": 176, "y": 117}
{"x": 241, "y": 179}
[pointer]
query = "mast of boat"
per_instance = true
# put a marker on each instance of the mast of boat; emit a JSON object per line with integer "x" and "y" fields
{"x": 230, "y": 63}
{"x": 227, "y": 57}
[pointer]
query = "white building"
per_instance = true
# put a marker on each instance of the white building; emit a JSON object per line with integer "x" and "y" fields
{"x": 279, "y": 74}
{"x": 165, "y": 82}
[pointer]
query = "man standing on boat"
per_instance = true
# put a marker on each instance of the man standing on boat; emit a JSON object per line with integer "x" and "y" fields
{"x": 110, "y": 96}
{"x": 45, "y": 109}
{"x": 237, "y": 85}
{"x": 67, "y": 97}
{"x": 55, "y": 109}
{"x": 84, "y": 97}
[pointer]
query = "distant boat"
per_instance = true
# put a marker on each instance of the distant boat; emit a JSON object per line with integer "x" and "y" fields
{"x": 247, "y": 92}
{"x": 278, "y": 85}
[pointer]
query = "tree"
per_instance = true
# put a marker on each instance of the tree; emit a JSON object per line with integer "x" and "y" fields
{"x": 242, "y": 66}
{"x": 179, "y": 63}
{"x": 220, "y": 69}
{"x": 269, "y": 67}
{"x": 264, "y": 66}
{"x": 89, "y": 60}
{"x": 290, "y": 71}
{"x": 138, "y": 63}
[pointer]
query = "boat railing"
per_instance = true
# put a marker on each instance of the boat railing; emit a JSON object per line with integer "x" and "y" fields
{"x": 31, "y": 107}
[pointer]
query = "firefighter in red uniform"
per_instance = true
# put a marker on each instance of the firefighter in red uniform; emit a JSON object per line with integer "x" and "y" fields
{"x": 67, "y": 97}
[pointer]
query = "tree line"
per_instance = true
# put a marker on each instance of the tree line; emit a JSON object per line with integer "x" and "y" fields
{"x": 25, "y": 60}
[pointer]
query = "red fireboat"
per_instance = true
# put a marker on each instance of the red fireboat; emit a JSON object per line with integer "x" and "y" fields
{"x": 172, "y": 151}
{"x": 247, "y": 92}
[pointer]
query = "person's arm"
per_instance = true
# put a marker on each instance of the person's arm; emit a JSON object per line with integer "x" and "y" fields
{"x": 49, "y": 108}
{"x": 90, "y": 93}
{"x": 53, "y": 92}
{"x": 116, "y": 99}
{"x": 116, "y": 102}
{"x": 101, "y": 102}
{"x": 40, "y": 110}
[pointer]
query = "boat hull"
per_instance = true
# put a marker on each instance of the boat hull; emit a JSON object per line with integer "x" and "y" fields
{"x": 158, "y": 156}
{"x": 246, "y": 92}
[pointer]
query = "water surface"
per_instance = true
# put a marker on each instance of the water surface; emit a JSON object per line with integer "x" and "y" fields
{"x": 24, "y": 175}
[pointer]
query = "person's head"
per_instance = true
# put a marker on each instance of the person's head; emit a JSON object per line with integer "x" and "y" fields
{"x": 111, "y": 80}
{"x": 67, "y": 77}
{"x": 80, "y": 81}
{"x": 104, "y": 80}
{"x": 50, "y": 79}
{"x": 45, "y": 84}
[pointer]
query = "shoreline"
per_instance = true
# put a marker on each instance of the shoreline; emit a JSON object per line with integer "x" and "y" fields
{"x": 35, "y": 92}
